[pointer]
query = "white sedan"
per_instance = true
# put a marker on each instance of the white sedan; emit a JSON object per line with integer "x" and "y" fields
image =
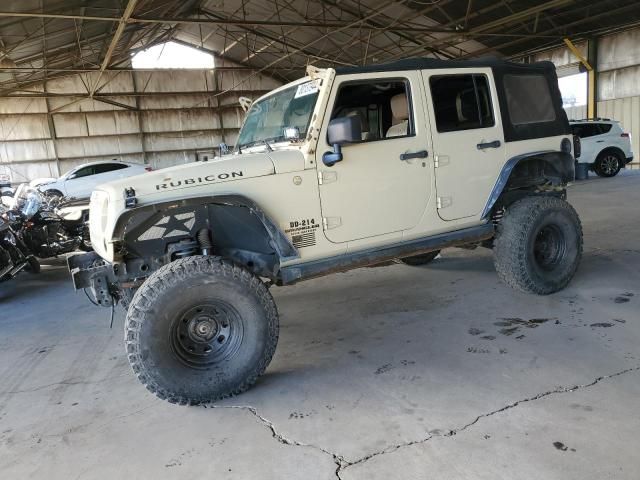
{"x": 79, "y": 182}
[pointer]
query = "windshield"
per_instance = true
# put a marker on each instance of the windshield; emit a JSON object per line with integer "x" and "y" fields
{"x": 289, "y": 108}
{"x": 27, "y": 200}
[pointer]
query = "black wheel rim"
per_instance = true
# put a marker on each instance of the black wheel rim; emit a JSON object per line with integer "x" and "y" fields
{"x": 609, "y": 164}
{"x": 549, "y": 247}
{"x": 206, "y": 334}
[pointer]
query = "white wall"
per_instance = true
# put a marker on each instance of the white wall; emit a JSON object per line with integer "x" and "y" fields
{"x": 177, "y": 115}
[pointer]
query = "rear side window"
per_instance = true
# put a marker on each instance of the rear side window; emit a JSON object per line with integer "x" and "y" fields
{"x": 109, "y": 167}
{"x": 605, "y": 128}
{"x": 461, "y": 102}
{"x": 528, "y": 99}
{"x": 586, "y": 130}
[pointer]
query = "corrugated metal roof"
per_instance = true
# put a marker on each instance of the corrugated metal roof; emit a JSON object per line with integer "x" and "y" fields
{"x": 48, "y": 38}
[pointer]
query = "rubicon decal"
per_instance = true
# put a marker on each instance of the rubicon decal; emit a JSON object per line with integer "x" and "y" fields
{"x": 197, "y": 180}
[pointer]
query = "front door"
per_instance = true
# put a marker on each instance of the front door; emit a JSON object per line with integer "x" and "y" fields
{"x": 382, "y": 185}
{"x": 468, "y": 140}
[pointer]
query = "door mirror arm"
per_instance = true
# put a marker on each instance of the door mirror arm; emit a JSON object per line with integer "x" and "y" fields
{"x": 330, "y": 158}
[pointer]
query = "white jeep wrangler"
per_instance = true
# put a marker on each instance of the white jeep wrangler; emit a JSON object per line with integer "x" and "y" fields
{"x": 343, "y": 168}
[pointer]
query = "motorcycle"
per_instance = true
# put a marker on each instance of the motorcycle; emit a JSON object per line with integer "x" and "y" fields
{"x": 50, "y": 227}
{"x": 14, "y": 255}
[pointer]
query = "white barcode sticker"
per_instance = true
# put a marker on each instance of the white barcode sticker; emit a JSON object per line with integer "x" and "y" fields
{"x": 306, "y": 89}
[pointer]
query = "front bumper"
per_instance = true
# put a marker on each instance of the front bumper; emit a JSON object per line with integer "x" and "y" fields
{"x": 91, "y": 271}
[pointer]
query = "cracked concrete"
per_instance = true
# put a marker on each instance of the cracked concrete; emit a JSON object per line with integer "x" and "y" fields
{"x": 390, "y": 372}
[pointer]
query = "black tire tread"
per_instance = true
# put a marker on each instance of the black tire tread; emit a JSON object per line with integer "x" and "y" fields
{"x": 597, "y": 164}
{"x": 511, "y": 240}
{"x": 175, "y": 272}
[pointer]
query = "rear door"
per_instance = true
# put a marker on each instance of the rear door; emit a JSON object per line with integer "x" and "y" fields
{"x": 590, "y": 140}
{"x": 107, "y": 172}
{"x": 468, "y": 139}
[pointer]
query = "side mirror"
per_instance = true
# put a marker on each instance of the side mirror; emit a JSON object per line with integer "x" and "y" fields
{"x": 341, "y": 130}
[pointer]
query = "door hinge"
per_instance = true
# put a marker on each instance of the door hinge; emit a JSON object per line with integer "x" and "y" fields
{"x": 325, "y": 176}
{"x": 331, "y": 222}
{"x": 441, "y": 161}
{"x": 443, "y": 202}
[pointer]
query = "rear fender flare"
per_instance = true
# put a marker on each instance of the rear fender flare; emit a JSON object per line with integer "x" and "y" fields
{"x": 562, "y": 163}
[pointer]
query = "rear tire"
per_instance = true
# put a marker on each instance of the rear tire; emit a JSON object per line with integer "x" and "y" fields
{"x": 608, "y": 164}
{"x": 538, "y": 245}
{"x": 422, "y": 259}
{"x": 200, "y": 329}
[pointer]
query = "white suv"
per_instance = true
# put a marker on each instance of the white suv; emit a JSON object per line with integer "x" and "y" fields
{"x": 605, "y": 146}
{"x": 81, "y": 181}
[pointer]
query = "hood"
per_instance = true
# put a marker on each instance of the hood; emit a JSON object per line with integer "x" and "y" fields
{"x": 182, "y": 178}
{"x": 38, "y": 182}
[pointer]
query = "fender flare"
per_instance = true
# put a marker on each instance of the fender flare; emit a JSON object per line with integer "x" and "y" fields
{"x": 562, "y": 162}
{"x": 280, "y": 242}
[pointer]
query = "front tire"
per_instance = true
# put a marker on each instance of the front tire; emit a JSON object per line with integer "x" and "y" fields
{"x": 200, "y": 329}
{"x": 538, "y": 245}
{"x": 608, "y": 164}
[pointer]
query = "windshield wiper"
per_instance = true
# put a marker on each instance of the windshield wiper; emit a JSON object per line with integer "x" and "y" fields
{"x": 266, "y": 144}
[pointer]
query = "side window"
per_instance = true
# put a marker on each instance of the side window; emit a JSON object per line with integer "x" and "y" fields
{"x": 84, "y": 172}
{"x": 528, "y": 99}
{"x": 383, "y": 106}
{"x": 461, "y": 102}
{"x": 605, "y": 128}
{"x": 586, "y": 130}
{"x": 109, "y": 167}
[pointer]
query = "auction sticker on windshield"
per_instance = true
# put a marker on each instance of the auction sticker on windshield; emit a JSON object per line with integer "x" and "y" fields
{"x": 306, "y": 89}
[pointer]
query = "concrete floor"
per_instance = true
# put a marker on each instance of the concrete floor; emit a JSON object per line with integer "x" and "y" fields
{"x": 381, "y": 373}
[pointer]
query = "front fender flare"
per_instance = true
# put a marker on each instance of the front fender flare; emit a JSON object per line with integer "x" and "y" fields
{"x": 280, "y": 242}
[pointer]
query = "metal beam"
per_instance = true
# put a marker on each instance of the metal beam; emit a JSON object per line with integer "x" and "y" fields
{"x": 485, "y": 27}
{"x": 101, "y": 95}
{"x": 231, "y": 22}
{"x": 114, "y": 42}
{"x": 564, "y": 27}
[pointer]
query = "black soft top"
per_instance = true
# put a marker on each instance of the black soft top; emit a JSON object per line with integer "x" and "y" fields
{"x": 501, "y": 69}
{"x": 433, "y": 63}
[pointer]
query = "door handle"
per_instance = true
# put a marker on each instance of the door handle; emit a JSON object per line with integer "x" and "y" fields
{"x": 408, "y": 156}
{"x": 494, "y": 144}
{"x": 599, "y": 141}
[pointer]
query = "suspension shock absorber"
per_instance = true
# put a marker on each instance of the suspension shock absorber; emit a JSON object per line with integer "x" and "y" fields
{"x": 204, "y": 240}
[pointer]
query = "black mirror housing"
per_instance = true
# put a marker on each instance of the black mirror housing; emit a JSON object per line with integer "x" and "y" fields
{"x": 341, "y": 130}
{"x": 344, "y": 130}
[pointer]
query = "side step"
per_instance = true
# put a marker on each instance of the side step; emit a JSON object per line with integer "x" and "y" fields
{"x": 341, "y": 263}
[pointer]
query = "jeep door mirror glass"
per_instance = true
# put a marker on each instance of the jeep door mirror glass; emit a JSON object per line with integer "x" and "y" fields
{"x": 344, "y": 130}
{"x": 341, "y": 130}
